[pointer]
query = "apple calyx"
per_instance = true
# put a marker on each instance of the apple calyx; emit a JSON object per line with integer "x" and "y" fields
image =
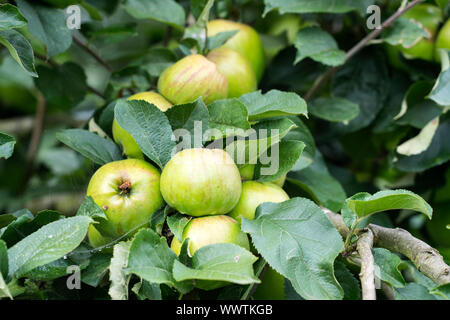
{"x": 125, "y": 188}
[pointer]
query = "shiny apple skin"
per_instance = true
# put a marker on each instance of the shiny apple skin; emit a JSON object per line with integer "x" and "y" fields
{"x": 128, "y": 191}
{"x": 247, "y": 42}
{"x": 124, "y": 139}
{"x": 238, "y": 71}
{"x": 253, "y": 194}
{"x": 443, "y": 39}
{"x": 201, "y": 182}
{"x": 192, "y": 77}
{"x": 208, "y": 230}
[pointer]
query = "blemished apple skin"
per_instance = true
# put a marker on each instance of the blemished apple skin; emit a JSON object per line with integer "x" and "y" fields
{"x": 124, "y": 139}
{"x": 208, "y": 230}
{"x": 235, "y": 67}
{"x": 128, "y": 191}
{"x": 253, "y": 194}
{"x": 443, "y": 39}
{"x": 201, "y": 182}
{"x": 247, "y": 42}
{"x": 430, "y": 17}
{"x": 192, "y": 77}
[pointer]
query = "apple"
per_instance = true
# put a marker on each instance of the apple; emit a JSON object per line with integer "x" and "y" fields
{"x": 123, "y": 138}
{"x": 247, "y": 173}
{"x": 286, "y": 23}
{"x": 430, "y": 17}
{"x": 271, "y": 286}
{"x": 128, "y": 191}
{"x": 253, "y": 194}
{"x": 201, "y": 182}
{"x": 246, "y": 41}
{"x": 443, "y": 39}
{"x": 96, "y": 239}
{"x": 238, "y": 71}
{"x": 208, "y": 230}
{"x": 192, "y": 77}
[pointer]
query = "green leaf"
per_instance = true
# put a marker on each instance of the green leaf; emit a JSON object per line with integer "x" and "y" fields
{"x": 441, "y": 90}
{"x": 4, "y": 265}
{"x": 197, "y": 32}
{"x": 177, "y": 223}
{"x": 364, "y": 81}
{"x": 10, "y": 17}
{"x": 49, "y": 243}
{"x": 389, "y": 264}
{"x": 90, "y": 145}
{"x": 334, "y": 109}
{"x": 413, "y": 291}
{"x": 319, "y": 184}
{"x": 146, "y": 290}
{"x": 48, "y": 25}
{"x": 302, "y": 133}
{"x": 157, "y": 60}
{"x": 97, "y": 269}
{"x": 118, "y": 290}
{"x": 165, "y": 11}
{"x": 50, "y": 271}
{"x": 151, "y": 259}
{"x": 4, "y": 290}
{"x": 316, "y": 6}
{"x": 289, "y": 152}
{"x": 442, "y": 291}
{"x": 272, "y": 104}
{"x": 314, "y": 43}
{"x": 405, "y": 32}
{"x": 218, "y": 262}
{"x": 149, "y": 127}
{"x": 219, "y": 39}
{"x": 228, "y": 115}
{"x": 20, "y": 49}
{"x": 7, "y": 143}
{"x": 350, "y": 285}
{"x": 265, "y": 134}
{"x": 194, "y": 118}
{"x": 158, "y": 218}
{"x": 437, "y": 153}
{"x": 63, "y": 86}
{"x": 389, "y": 200}
{"x": 298, "y": 240}
{"x": 90, "y": 209}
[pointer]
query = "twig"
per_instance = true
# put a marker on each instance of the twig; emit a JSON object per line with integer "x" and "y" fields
{"x": 92, "y": 53}
{"x": 35, "y": 140}
{"x": 55, "y": 65}
{"x": 367, "y": 274}
{"x": 424, "y": 257}
{"x": 361, "y": 44}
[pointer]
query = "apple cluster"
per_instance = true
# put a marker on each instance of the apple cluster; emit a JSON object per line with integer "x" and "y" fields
{"x": 202, "y": 183}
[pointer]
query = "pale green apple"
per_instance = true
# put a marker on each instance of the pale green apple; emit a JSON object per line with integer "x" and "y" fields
{"x": 123, "y": 138}
{"x": 190, "y": 78}
{"x": 129, "y": 193}
{"x": 248, "y": 171}
{"x": 443, "y": 39}
{"x": 201, "y": 182}
{"x": 208, "y": 230}
{"x": 238, "y": 71}
{"x": 253, "y": 194}
{"x": 246, "y": 42}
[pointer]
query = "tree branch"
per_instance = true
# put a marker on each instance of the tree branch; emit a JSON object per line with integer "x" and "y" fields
{"x": 367, "y": 274}
{"x": 361, "y": 44}
{"x": 424, "y": 257}
{"x": 92, "y": 53}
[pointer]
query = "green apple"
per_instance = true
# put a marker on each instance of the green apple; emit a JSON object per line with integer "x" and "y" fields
{"x": 238, "y": 71}
{"x": 271, "y": 286}
{"x": 96, "y": 239}
{"x": 192, "y": 77}
{"x": 430, "y": 17}
{"x": 208, "y": 230}
{"x": 201, "y": 182}
{"x": 437, "y": 226}
{"x": 123, "y": 138}
{"x": 129, "y": 193}
{"x": 253, "y": 194}
{"x": 246, "y": 42}
{"x": 248, "y": 171}
{"x": 443, "y": 39}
